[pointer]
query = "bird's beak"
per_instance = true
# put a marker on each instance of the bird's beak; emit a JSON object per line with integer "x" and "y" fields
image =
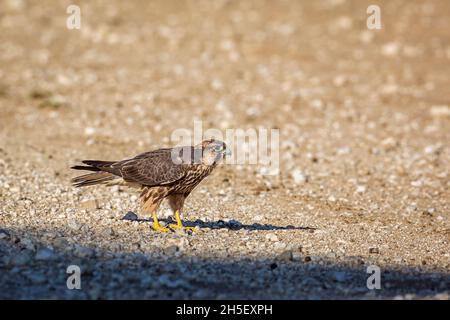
{"x": 227, "y": 152}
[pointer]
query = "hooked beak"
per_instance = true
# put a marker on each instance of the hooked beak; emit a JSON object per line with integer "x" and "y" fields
{"x": 227, "y": 152}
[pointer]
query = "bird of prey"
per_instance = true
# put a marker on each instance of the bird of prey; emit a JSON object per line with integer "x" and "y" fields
{"x": 170, "y": 173}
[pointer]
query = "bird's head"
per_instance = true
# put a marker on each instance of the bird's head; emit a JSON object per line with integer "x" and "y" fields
{"x": 213, "y": 151}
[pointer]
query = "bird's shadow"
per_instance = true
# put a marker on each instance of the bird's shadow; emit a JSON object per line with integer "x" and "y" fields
{"x": 220, "y": 224}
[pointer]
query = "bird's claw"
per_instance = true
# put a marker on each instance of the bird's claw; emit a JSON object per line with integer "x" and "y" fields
{"x": 180, "y": 226}
{"x": 156, "y": 226}
{"x": 160, "y": 228}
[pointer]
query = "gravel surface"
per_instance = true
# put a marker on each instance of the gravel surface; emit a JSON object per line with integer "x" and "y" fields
{"x": 364, "y": 118}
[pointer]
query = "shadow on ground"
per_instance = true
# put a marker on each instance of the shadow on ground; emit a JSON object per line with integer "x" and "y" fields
{"x": 220, "y": 224}
{"x": 41, "y": 274}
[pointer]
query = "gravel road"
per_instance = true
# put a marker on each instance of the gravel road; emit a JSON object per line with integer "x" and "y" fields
{"x": 364, "y": 120}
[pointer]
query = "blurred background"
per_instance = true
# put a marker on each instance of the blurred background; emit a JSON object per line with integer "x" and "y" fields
{"x": 363, "y": 118}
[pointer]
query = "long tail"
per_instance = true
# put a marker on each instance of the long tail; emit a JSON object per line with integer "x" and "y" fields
{"x": 99, "y": 177}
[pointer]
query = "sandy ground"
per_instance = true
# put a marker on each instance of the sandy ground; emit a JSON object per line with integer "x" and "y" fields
{"x": 364, "y": 121}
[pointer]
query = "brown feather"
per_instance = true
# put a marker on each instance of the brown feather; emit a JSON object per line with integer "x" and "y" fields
{"x": 92, "y": 179}
{"x": 156, "y": 173}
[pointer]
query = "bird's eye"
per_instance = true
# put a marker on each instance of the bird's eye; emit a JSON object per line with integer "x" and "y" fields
{"x": 218, "y": 148}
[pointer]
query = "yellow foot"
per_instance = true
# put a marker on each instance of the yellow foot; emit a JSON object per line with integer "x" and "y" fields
{"x": 160, "y": 228}
{"x": 156, "y": 226}
{"x": 179, "y": 224}
{"x": 176, "y": 226}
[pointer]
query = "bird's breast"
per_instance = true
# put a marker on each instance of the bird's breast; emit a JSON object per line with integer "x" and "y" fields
{"x": 194, "y": 175}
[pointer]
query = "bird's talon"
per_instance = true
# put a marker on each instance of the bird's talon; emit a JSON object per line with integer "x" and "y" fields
{"x": 156, "y": 226}
{"x": 159, "y": 228}
{"x": 177, "y": 226}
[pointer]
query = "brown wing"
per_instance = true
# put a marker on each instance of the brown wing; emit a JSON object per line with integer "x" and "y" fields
{"x": 151, "y": 168}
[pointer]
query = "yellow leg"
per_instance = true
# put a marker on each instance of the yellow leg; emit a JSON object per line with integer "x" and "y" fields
{"x": 156, "y": 226}
{"x": 179, "y": 224}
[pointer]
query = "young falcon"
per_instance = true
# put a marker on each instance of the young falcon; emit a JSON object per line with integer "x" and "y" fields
{"x": 170, "y": 173}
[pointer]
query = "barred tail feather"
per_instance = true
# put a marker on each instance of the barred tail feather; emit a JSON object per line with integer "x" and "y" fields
{"x": 91, "y": 179}
{"x": 87, "y": 168}
{"x": 98, "y": 163}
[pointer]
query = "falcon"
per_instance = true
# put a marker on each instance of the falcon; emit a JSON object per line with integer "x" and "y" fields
{"x": 170, "y": 173}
